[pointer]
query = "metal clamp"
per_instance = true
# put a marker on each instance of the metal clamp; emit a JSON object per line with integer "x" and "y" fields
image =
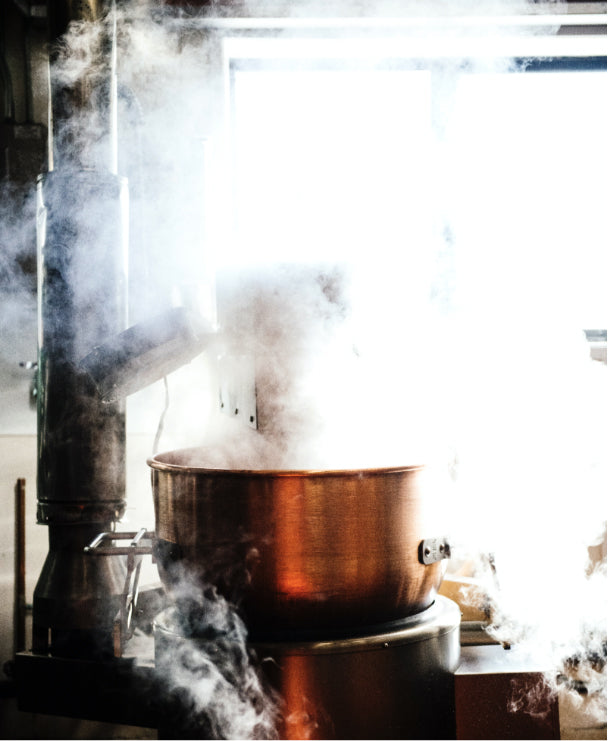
{"x": 433, "y": 549}
{"x": 95, "y": 547}
{"x": 103, "y": 545}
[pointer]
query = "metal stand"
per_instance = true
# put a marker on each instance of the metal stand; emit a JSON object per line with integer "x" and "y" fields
{"x": 140, "y": 544}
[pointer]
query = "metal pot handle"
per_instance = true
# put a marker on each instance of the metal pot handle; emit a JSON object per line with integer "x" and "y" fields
{"x": 432, "y": 550}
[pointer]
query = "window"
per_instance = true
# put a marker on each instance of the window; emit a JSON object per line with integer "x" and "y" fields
{"x": 468, "y": 165}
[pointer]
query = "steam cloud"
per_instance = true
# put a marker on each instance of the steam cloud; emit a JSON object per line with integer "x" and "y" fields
{"x": 464, "y": 381}
{"x": 218, "y": 688}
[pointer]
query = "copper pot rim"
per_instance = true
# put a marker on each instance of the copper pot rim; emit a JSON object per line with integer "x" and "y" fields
{"x": 167, "y": 462}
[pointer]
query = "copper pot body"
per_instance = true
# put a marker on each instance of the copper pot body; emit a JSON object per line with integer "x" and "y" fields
{"x": 295, "y": 549}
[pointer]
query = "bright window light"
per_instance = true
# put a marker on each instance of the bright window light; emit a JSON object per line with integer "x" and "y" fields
{"x": 473, "y": 183}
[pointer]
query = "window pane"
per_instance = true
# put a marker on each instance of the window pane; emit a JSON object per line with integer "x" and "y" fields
{"x": 484, "y": 189}
{"x": 525, "y": 194}
{"x": 329, "y": 162}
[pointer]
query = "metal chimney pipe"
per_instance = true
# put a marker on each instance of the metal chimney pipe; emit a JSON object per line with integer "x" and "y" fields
{"x": 82, "y": 207}
{"x": 75, "y": 104}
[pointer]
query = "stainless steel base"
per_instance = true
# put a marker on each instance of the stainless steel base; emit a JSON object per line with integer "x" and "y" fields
{"x": 396, "y": 682}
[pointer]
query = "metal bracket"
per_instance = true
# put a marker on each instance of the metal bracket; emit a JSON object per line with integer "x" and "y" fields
{"x": 95, "y": 547}
{"x": 103, "y": 545}
{"x": 237, "y": 388}
{"x": 433, "y": 549}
